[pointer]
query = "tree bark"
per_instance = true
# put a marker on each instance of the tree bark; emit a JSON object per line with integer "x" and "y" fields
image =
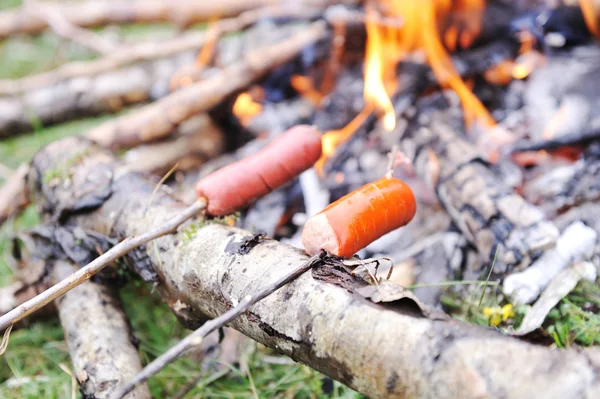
{"x": 393, "y": 349}
{"x": 99, "y": 338}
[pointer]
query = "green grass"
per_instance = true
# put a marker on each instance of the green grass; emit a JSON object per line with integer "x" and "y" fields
{"x": 574, "y": 321}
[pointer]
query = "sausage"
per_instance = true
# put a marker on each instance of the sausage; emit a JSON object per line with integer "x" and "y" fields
{"x": 356, "y": 220}
{"x": 239, "y": 184}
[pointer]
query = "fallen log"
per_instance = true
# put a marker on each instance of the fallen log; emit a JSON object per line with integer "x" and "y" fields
{"x": 158, "y": 119}
{"x": 98, "y": 336}
{"x": 382, "y": 350}
{"x": 485, "y": 209}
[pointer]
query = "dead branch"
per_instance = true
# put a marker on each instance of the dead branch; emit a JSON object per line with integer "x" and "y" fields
{"x": 381, "y": 350}
{"x": 65, "y": 29}
{"x": 89, "y": 13}
{"x": 193, "y": 72}
{"x": 156, "y": 120}
{"x": 195, "y": 338}
{"x": 13, "y": 194}
{"x": 485, "y": 209}
{"x": 197, "y": 141}
{"x": 99, "y": 339}
{"x": 121, "y": 57}
{"x": 106, "y": 92}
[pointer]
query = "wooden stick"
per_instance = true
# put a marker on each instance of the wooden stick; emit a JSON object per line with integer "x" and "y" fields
{"x": 123, "y": 56}
{"x": 97, "y": 333}
{"x": 195, "y": 338}
{"x": 65, "y": 29}
{"x": 86, "y": 272}
{"x": 90, "y": 13}
{"x": 158, "y": 119}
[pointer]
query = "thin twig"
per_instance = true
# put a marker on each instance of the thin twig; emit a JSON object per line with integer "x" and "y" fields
{"x": 196, "y": 337}
{"x": 85, "y": 273}
{"x": 487, "y": 280}
{"x": 65, "y": 29}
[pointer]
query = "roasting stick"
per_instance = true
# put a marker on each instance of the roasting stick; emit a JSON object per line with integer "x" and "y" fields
{"x": 195, "y": 338}
{"x": 226, "y": 190}
{"x": 85, "y": 273}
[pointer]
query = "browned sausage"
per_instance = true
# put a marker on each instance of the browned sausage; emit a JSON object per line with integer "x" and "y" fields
{"x": 237, "y": 185}
{"x": 356, "y": 220}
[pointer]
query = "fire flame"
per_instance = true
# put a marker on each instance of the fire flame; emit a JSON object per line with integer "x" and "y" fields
{"x": 304, "y": 86}
{"x": 245, "y": 108}
{"x": 590, "y": 15}
{"x": 420, "y": 31}
{"x": 375, "y": 92}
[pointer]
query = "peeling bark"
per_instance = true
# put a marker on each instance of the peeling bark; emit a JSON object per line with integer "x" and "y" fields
{"x": 485, "y": 209}
{"x": 158, "y": 119}
{"x": 99, "y": 338}
{"x": 383, "y": 350}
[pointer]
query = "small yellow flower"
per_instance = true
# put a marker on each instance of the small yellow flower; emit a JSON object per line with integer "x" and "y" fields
{"x": 507, "y": 312}
{"x": 497, "y": 314}
{"x": 488, "y": 311}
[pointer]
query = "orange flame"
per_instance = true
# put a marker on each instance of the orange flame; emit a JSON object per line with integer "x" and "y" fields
{"x": 420, "y": 30}
{"x": 528, "y": 57}
{"x": 333, "y": 138}
{"x": 305, "y": 87}
{"x": 375, "y": 91}
{"x": 590, "y": 15}
{"x": 245, "y": 108}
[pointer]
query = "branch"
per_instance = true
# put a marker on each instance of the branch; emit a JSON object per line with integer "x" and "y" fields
{"x": 156, "y": 120}
{"x": 97, "y": 333}
{"x": 90, "y": 13}
{"x": 391, "y": 349}
{"x": 195, "y": 338}
{"x": 85, "y": 273}
{"x": 65, "y": 29}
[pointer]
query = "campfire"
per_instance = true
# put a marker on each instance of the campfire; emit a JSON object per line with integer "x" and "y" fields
{"x": 336, "y": 180}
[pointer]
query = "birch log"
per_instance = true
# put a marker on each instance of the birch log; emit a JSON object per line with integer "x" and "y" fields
{"x": 392, "y": 350}
{"x": 98, "y": 337}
